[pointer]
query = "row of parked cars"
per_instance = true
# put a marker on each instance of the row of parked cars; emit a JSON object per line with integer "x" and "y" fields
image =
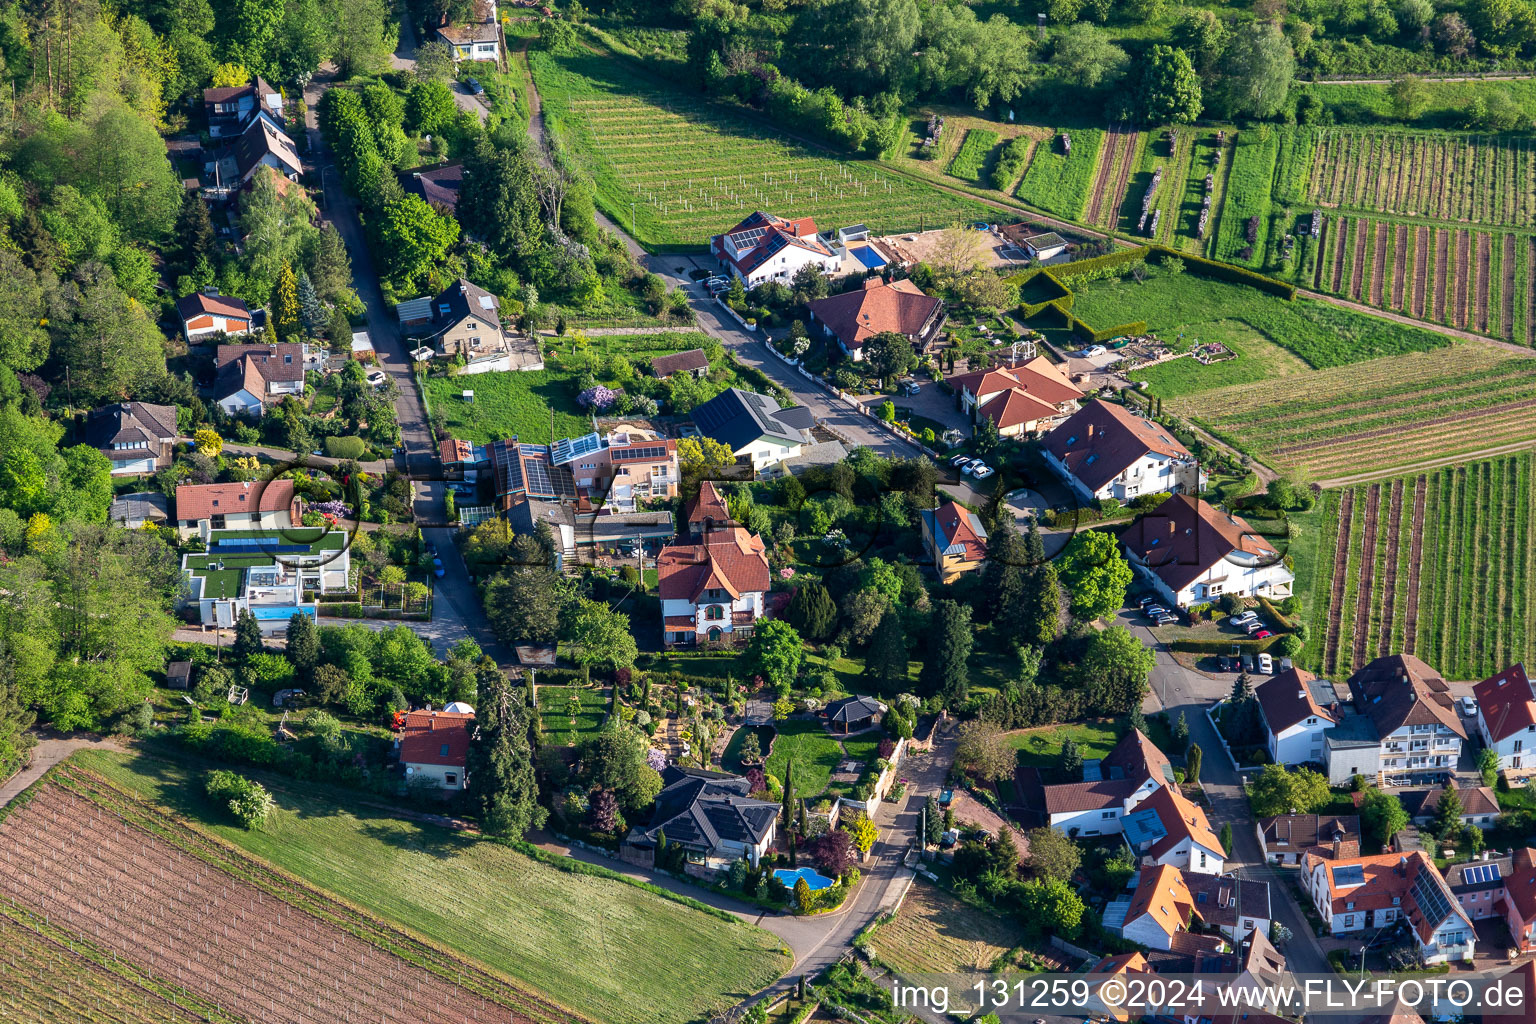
{"x": 971, "y": 467}
{"x": 1154, "y": 609}
{"x": 1250, "y": 623}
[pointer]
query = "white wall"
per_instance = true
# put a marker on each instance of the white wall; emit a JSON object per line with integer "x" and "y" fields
{"x": 240, "y": 402}
{"x": 1514, "y": 751}
{"x": 1148, "y": 932}
{"x": 132, "y": 467}
{"x": 1300, "y": 743}
{"x": 438, "y": 773}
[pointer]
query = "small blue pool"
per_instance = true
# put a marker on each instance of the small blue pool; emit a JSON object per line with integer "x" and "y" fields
{"x": 283, "y": 612}
{"x": 813, "y": 878}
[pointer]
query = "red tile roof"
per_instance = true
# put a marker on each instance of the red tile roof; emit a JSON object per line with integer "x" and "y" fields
{"x": 956, "y": 529}
{"x": 1183, "y": 537}
{"x": 196, "y": 304}
{"x": 1182, "y": 819}
{"x": 1161, "y": 893}
{"x": 1506, "y": 703}
{"x": 1102, "y": 440}
{"x": 1137, "y": 757}
{"x": 1520, "y": 886}
{"x": 858, "y": 315}
{"x": 453, "y": 450}
{"x": 202, "y": 501}
{"x": 708, "y": 506}
{"x": 1016, "y": 408}
{"x": 1286, "y": 700}
{"x": 1399, "y": 689}
{"x": 436, "y": 737}
{"x": 1389, "y": 877}
{"x": 1038, "y": 377}
{"x": 731, "y": 560}
{"x": 1089, "y": 796}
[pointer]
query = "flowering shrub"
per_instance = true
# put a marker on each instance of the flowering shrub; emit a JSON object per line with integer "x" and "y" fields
{"x": 786, "y": 573}
{"x": 334, "y": 509}
{"x": 656, "y": 758}
{"x": 597, "y": 397}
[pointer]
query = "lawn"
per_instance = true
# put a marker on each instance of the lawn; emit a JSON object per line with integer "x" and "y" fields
{"x": 970, "y": 161}
{"x": 1041, "y": 747}
{"x": 1059, "y": 183}
{"x": 603, "y": 947}
{"x": 815, "y": 753}
{"x": 555, "y": 706}
{"x": 935, "y": 933}
{"x": 1242, "y": 235}
{"x": 508, "y": 404}
{"x": 676, "y": 167}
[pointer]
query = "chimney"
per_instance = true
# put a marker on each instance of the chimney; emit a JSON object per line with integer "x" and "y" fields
{"x": 1090, "y": 430}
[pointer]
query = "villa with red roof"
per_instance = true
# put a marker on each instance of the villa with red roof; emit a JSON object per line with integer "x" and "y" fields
{"x": 856, "y": 316}
{"x": 1112, "y": 788}
{"x": 250, "y": 505}
{"x": 435, "y": 745}
{"x": 768, "y": 248}
{"x": 955, "y": 540}
{"x": 1364, "y": 894}
{"x": 1106, "y": 451}
{"x": 1192, "y": 553}
{"x": 1297, "y": 709}
{"x": 207, "y": 313}
{"x": 713, "y": 585}
{"x": 1506, "y": 717}
{"x": 1021, "y": 398}
{"x": 1168, "y": 828}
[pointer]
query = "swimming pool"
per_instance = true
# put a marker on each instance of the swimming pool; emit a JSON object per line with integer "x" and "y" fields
{"x": 813, "y": 878}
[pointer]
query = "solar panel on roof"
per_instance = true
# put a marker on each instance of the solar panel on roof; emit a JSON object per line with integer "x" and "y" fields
{"x": 640, "y": 454}
{"x": 263, "y": 547}
{"x": 539, "y": 481}
{"x": 1349, "y": 874}
{"x": 570, "y": 448}
{"x": 1432, "y": 901}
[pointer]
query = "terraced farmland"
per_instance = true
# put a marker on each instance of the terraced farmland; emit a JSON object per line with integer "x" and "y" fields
{"x": 1382, "y": 418}
{"x": 1394, "y": 570}
{"x": 679, "y": 168}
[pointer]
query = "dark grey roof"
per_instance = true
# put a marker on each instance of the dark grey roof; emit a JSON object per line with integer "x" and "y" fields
{"x": 737, "y": 418}
{"x": 1219, "y": 899}
{"x": 440, "y": 185}
{"x": 261, "y": 137}
{"x": 137, "y": 423}
{"x": 699, "y": 809}
{"x": 141, "y": 506}
{"x": 853, "y": 709}
{"x": 590, "y": 527}
{"x": 465, "y": 298}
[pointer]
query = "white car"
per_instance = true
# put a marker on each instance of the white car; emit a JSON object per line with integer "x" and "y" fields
{"x": 1242, "y": 620}
{"x": 1468, "y": 706}
{"x": 982, "y": 472}
{"x": 970, "y": 468}
{"x": 1166, "y": 619}
{"x": 959, "y": 460}
{"x": 1096, "y": 350}
{"x": 376, "y": 378}
{"x": 1266, "y": 663}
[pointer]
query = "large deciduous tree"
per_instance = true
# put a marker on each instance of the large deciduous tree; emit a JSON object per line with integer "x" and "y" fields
{"x": 1095, "y": 574}
{"x": 1169, "y": 90}
{"x": 1258, "y": 68}
{"x": 1087, "y": 57}
{"x": 414, "y": 237}
{"x": 774, "y": 652}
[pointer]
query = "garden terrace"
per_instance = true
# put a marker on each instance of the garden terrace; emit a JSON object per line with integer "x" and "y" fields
{"x": 934, "y": 933}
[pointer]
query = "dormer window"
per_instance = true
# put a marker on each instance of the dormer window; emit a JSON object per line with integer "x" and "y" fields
{"x": 215, "y": 502}
{"x": 443, "y": 750}
{"x": 1091, "y": 459}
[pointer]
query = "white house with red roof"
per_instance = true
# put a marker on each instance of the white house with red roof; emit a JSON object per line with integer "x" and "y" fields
{"x": 1192, "y": 554}
{"x": 954, "y": 538}
{"x": 1112, "y": 787}
{"x": 434, "y": 745}
{"x": 900, "y": 307}
{"x": 249, "y": 505}
{"x": 768, "y": 248}
{"x": 1021, "y": 398}
{"x": 1167, "y": 828}
{"x": 1364, "y": 894}
{"x": 1506, "y": 717}
{"x": 1518, "y": 902}
{"x": 713, "y": 585}
{"x": 1106, "y": 451}
{"x": 1297, "y": 709}
{"x": 206, "y": 313}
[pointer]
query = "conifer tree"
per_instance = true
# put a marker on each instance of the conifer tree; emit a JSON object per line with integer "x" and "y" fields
{"x": 284, "y": 315}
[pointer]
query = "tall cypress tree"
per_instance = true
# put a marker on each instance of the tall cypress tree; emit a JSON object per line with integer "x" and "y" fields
{"x": 247, "y": 636}
{"x": 303, "y": 646}
{"x": 949, "y": 646}
{"x": 1002, "y": 578}
{"x": 885, "y": 665}
{"x": 789, "y": 793}
{"x": 195, "y": 230}
{"x": 500, "y": 764}
{"x": 1039, "y": 617}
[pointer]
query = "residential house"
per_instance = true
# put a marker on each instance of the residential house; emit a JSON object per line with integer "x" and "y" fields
{"x": 1124, "y": 966}
{"x": 1297, "y": 709}
{"x": 706, "y": 510}
{"x": 136, "y": 437}
{"x": 207, "y": 313}
{"x": 477, "y": 37}
{"x": 271, "y": 573}
{"x": 1506, "y": 717}
{"x": 1237, "y": 907}
{"x": 439, "y": 186}
{"x": 713, "y": 587}
{"x": 582, "y": 531}
{"x": 1479, "y": 804}
{"x": 263, "y": 143}
{"x": 1020, "y": 397}
{"x": 526, "y": 472}
{"x": 139, "y": 509}
{"x": 253, "y": 377}
{"x": 764, "y": 247}
{"x": 202, "y": 509}
{"x": 230, "y": 108}
{"x": 1411, "y": 713}
{"x": 1192, "y": 554}
{"x": 710, "y": 815}
{"x": 1160, "y": 909}
{"x": 954, "y": 538}
{"x": 1284, "y": 838}
{"x": 900, "y": 307}
{"x": 466, "y": 319}
{"x": 1520, "y": 899}
{"x": 1166, "y": 901}
{"x": 853, "y": 714}
{"x": 1106, "y": 451}
{"x": 1168, "y": 828}
{"x": 692, "y": 361}
{"x": 754, "y": 428}
{"x": 434, "y": 745}
{"x": 620, "y": 468}
{"x": 462, "y": 460}
{"x": 1112, "y": 787}
{"x": 1480, "y": 885}
{"x": 1364, "y": 894}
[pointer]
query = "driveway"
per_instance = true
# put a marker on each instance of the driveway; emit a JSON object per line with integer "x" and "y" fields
{"x": 49, "y": 752}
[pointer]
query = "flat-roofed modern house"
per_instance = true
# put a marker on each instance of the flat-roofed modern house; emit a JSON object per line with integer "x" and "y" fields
{"x": 271, "y": 573}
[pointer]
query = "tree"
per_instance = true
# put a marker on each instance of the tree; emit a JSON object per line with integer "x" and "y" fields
{"x": 1454, "y": 36}
{"x": 1382, "y": 815}
{"x": 982, "y": 751}
{"x": 950, "y": 638}
{"x": 415, "y": 237}
{"x": 615, "y": 759}
{"x": 774, "y": 652}
{"x": 1052, "y": 854}
{"x": 1039, "y": 616}
{"x": 330, "y": 266}
{"x": 499, "y": 768}
{"x": 523, "y": 600}
{"x": 434, "y": 62}
{"x": 1226, "y": 837}
{"x": 1488, "y": 765}
{"x": 1259, "y": 67}
{"x": 835, "y": 850}
{"x": 886, "y": 663}
{"x": 285, "y": 303}
{"x": 789, "y": 795}
{"x": 703, "y": 455}
{"x": 1202, "y": 35}
{"x": 364, "y": 35}
{"x": 1409, "y": 97}
{"x": 1181, "y": 731}
{"x": 1169, "y": 92}
{"x": 105, "y": 337}
{"x": 247, "y": 636}
{"x": 194, "y": 232}
{"x": 209, "y": 443}
{"x": 1448, "y": 812}
{"x": 1192, "y": 764}
{"x": 863, "y": 831}
{"x": 1052, "y": 905}
{"x": 1114, "y": 669}
{"x": 811, "y": 610}
{"x": 933, "y": 821}
{"x": 889, "y": 354}
{"x": 1086, "y": 57}
{"x": 1277, "y": 791}
{"x": 303, "y": 644}
{"x": 599, "y": 635}
{"x": 1071, "y": 763}
{"x": 1095, "y": 574}
{"x": 311, "y": 310}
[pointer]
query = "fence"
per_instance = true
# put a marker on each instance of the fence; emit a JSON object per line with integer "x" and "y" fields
{"x": 1078, "y": 951}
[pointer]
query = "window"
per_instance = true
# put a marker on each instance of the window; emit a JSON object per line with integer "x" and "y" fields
{"x": 443, "y": 750}
{"x": 1202, "y": 858}
{"x": 451, "y": 779}
{"x": 1311, "y": 721}
{"x": 1106, "y": 814}
{"x": 1519, "y": 745}
{"x": 714, "y": 612}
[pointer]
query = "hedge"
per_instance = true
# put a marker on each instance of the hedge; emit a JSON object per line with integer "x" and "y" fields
{"x": 1223, "y": 646}
{"x": 343, "y": 610}
{"x": 1227, "y": 272}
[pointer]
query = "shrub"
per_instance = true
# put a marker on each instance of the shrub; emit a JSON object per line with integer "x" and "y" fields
{"x": 248, "y": 801}
{"x": 346, "y": 447}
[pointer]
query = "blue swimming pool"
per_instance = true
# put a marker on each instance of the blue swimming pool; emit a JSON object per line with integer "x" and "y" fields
{"x": 813, "y": 878}
{"x": 283, "y": 612}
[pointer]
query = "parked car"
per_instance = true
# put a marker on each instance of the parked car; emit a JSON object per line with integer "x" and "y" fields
{"x": 1263, "y": 634}
{"x": 474, "y": 86}
{"x": 959, "y": 460}
{"x": 1468, "y": 706}
{"x": 1244, "y": 618}
{"x": 1248, "y": 663}
{"x": 911, "y": 387}
{"x": 1154, "y": 610}
{"x": 1266, "y": 663}
{"x": 1167, "y": 619}
{"x": 982, "y": 472}
{"x": 437, "y": 568}
{"x": 972, "y": 466}
{"x": 1094, "y": 350}
{"x": 1253, "y": 626}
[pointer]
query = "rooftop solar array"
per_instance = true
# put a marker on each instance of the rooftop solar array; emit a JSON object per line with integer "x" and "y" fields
{"x": 645, "y": 454}
{"x": 1481, "y": 873}
{"x": 1433, "y": 901}
{"x": 539, "y": 482}
{"x": 1349, "y": 874}
{"x": 570, "y": 448}
{"x": 748, "y": 238}
{"x": 263, "y": 547}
